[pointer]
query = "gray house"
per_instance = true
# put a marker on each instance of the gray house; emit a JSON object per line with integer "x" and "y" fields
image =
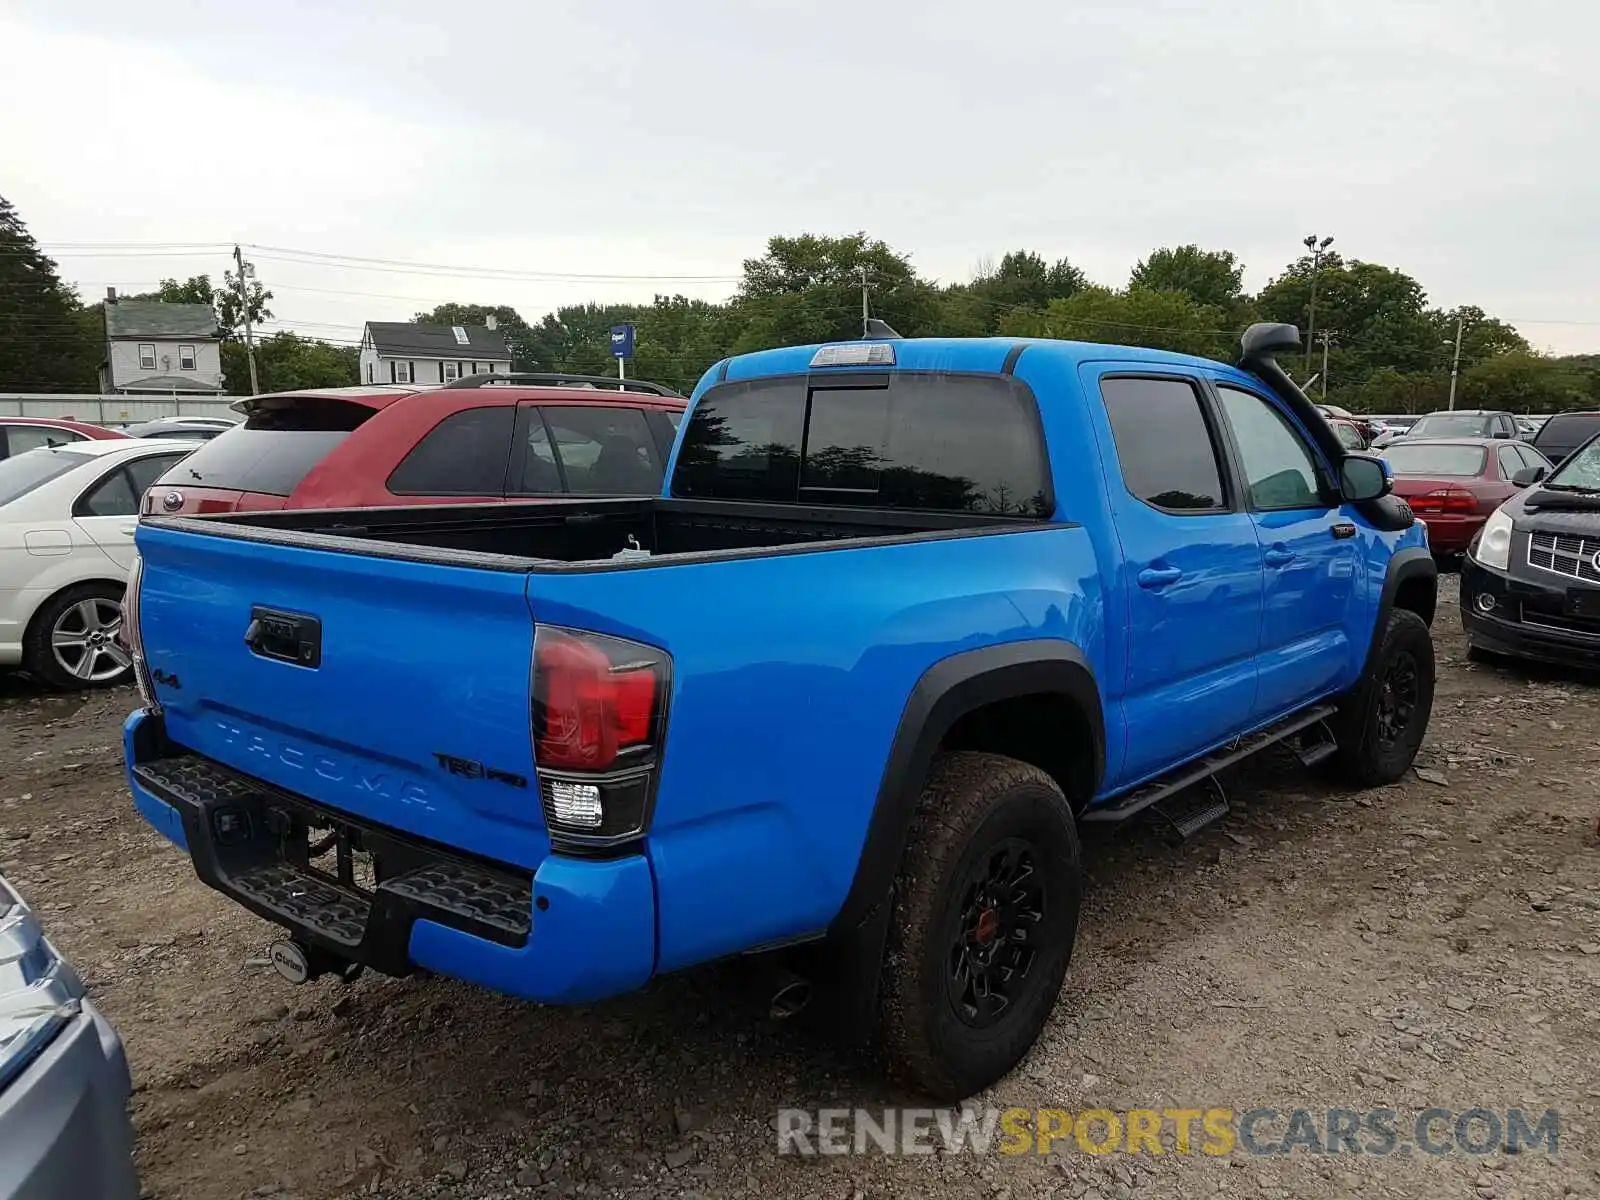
{"x": 404, "y": 352}
{"x": 158, "y": 348}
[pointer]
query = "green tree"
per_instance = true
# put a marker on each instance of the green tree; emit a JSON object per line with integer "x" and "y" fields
{"x": 1213, "y": 277}
{"x": 288, "y": 362}
{"x": 808, "y": 289}
{"x": 231, "y": 308}
{"x": 1387, "y": 390}
{"x": 1522, "y": 381}
{"x": 196, "y": 289}
{"x": 47, "y": 343}
{"x": 1139, "y": 317}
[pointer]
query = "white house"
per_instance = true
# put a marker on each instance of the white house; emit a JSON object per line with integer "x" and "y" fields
{"x": 402, "y": 352}
{"x": 154, "y": 347}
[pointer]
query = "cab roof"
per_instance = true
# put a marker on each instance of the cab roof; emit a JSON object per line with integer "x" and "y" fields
{"x": 988, "y": 356}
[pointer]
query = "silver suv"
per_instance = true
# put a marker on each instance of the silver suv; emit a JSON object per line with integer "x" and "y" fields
{"x": 64, "y": 1086}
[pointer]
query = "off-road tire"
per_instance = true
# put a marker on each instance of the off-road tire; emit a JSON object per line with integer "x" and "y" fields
{"x": 974, "y": 806}
{"x": 1366, "y": 758}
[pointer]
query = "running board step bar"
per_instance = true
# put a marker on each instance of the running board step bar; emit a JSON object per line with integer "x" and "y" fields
{"x": 1186, "y": 776}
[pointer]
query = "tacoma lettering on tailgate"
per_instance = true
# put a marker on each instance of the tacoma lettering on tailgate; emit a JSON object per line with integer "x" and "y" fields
{"x": 324, "y": 766}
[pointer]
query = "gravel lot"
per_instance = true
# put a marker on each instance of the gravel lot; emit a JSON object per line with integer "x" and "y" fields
{"x": 1433, "y": 943}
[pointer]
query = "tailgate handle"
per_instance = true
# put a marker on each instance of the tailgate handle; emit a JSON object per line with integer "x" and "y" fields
{"x": 286, "y": 637}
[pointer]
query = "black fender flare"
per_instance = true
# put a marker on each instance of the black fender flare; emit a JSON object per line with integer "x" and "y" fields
{"x": 947, "y": 691}
{"x": 1411, "y": 563}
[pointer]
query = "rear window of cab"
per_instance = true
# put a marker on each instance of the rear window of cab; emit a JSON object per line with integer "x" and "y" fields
{"x": 949, "y": 443}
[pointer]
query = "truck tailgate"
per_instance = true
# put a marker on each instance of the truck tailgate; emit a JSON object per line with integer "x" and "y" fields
{"x": 394, "y": 691}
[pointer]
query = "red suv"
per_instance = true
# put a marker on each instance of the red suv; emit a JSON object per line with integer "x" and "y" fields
{"x": 488, "y": 437}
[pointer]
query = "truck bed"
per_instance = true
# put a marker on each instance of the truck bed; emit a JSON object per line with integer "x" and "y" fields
{"x": 586, "y": 535}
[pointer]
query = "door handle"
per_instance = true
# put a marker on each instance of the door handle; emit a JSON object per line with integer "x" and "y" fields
{"x": 1278, "y": 556}
{"x": 1343, "y": 530}
{"x": 1159, "y": 577}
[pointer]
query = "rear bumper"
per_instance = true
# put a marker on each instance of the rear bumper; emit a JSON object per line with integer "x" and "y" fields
{"x": 1449, "y": 533}
{"x": 64, "y": 1125}
{"x": 1525, "y": 619}
{"x": 574, "y": 930}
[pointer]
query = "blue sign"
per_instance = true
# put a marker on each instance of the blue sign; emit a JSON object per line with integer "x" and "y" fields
{"x": 622, "y": 341}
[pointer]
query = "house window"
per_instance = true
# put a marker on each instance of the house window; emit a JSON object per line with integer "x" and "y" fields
{"x": 147, "y": 358}
{"x": 449, "y": 372}
{"x": 186, "y": 358}
{"x": 401, "y": 372}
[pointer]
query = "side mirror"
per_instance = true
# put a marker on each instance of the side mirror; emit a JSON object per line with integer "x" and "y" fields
{"x": 1529, "y": 476}
{"x": 1363, "y": 477}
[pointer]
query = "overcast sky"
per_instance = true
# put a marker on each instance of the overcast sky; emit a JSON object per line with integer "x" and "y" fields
{"x": 1456, "y": 141}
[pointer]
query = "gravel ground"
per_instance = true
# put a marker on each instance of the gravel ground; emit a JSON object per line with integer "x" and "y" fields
{"x": 1432, "y": 943}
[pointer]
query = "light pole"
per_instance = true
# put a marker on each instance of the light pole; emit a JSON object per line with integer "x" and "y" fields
{"x": 1317, "y": 248}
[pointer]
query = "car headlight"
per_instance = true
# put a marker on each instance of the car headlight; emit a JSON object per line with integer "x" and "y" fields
{"x": 39, "y": 993}
{"x": 1494, "y": 543}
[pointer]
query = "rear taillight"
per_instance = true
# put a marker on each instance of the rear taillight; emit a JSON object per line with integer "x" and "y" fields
{"x": 1444, "y": 500}
{"x": 129, "y": 637}
{"x": 599, "y": 716}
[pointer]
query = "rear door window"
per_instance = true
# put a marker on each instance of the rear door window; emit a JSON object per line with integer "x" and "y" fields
{"x": 273, "y": 450}
{"x": 950, "y": 443}
{"x": 604, "y": 450}
{"x": 113, "y": 496}
{"x": 463, "y": 455}
{"x": 1164, "y": 444}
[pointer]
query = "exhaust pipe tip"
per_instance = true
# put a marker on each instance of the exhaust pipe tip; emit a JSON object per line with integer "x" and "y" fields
{"x": 792, "y": 996}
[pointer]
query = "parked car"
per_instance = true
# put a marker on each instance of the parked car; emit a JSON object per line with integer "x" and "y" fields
{"x": 185, "y": 428}
{"x": 1531, "y": 585}
{"x": 1350, "y": 435}
{"x": 1563, "y": 433}
{"x": 480, "y": 439}
{"x": 20, "y": 434}
{"x": 64, "y": 1084}
{"x": 1460, "y": 423}
{"x": 906, "y": 611}
{"x": 1453, "y": 485}
{"x": 67, "y": 516}
{"x": 1394, "y": 427}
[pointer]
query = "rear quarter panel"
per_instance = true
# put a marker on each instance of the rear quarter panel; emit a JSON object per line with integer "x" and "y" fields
{"x": 790, "y": 674}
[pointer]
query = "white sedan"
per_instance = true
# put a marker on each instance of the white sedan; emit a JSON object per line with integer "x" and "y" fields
{"x": 67, "y": 516}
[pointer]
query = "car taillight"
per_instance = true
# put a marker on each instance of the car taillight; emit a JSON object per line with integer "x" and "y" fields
{"x": 599, "y": 715}
{"x": 1443, "y": 500}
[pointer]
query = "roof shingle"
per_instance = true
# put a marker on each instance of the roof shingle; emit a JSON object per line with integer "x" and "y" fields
{"x": 153, "y": 318}
{"x": 436, "y": 341}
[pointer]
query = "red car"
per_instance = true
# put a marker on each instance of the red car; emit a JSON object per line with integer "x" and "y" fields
{"x": 30, "y": 433}
{"x": 481, "y": 439}
{"x": 1454, "y": 484}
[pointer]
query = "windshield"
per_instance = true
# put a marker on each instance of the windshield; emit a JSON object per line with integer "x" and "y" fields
{"x": 1452, "y": 425}
{"x": 21, "y": 473}
{"x": 1427, "y": 461}
{"x": 1580, "y": 470}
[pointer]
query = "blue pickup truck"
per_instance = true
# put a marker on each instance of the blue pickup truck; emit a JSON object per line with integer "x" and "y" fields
{"x": 907, "y": 612}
